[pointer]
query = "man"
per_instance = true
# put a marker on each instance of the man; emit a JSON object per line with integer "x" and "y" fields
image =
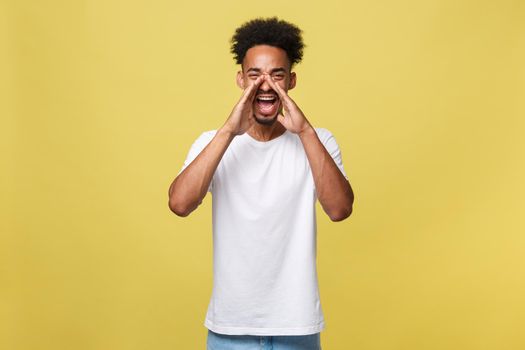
{"x": 265, "y": 168}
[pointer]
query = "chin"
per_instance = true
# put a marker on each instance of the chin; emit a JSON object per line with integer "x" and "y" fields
{"x": 265, "y": 119}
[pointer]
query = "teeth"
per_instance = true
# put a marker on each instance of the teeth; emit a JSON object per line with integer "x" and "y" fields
{"x": 266, "y": 98}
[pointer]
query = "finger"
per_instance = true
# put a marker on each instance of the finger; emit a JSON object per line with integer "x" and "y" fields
{"x": 280, "y": 118}
{"x": 284, "y": 96}
{"x": 249, "y": 92}
{"x": 282, "y": 110}
{"x": 255, "y": 87}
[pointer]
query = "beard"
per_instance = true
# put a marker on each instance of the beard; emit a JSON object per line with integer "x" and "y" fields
{"x": 264, "y": 120}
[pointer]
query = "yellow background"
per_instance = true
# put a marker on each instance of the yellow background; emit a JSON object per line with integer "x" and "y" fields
{"x": 101, "y": 100}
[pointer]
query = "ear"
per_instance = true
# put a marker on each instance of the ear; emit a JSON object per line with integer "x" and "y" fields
{"x": 293, "y": 79}
{"x": 240, "y": 80}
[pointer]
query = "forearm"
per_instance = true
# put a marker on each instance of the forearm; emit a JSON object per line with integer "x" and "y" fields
{"x": 191, "y": 185}
{"x": 333, "y": 189}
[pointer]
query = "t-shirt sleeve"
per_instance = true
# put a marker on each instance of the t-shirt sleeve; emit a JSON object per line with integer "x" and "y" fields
{"x": 329, "y": 142}
{"x": 196, "y": 148}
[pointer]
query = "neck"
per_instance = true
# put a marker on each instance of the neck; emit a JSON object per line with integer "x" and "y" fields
{"x": 266, "y": 132}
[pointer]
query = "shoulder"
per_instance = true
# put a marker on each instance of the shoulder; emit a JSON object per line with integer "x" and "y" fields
{"x": 322, "y": 131}
{"x": 202, "y": 140}
{"x": 324, "y": 134}
{"x": 206, "y": 136}
{"x": 327, "y": 138}
{"x": 209, "y": 133}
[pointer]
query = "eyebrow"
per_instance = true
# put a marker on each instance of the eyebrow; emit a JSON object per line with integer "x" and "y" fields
{"x": 258, "y": 70}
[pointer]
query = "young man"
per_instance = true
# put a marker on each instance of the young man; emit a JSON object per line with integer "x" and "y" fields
{"x": 265, "y": 167}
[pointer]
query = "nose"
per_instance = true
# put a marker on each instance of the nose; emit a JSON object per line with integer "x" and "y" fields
{"x": 265, "y": 86}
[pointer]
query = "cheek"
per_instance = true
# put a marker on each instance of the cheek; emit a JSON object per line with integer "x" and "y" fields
{"x": 248, "y": 81}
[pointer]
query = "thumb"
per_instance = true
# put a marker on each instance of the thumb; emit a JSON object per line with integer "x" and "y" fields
{"x": 280, "y": 118}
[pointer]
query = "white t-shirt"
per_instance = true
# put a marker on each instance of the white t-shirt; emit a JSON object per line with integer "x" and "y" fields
{"x": 264, "y": 236}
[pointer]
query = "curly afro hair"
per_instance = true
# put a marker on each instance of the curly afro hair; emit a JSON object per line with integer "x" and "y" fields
{"x": 268, "y": 31}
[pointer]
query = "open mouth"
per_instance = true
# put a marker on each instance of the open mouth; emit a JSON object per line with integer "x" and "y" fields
{"x": 267, "y": 104}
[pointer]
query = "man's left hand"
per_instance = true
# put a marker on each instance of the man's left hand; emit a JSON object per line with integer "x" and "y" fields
{"x": 294, "y": 121}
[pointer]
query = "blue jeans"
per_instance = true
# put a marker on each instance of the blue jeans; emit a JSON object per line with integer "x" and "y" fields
{"x": 217, "y": 341}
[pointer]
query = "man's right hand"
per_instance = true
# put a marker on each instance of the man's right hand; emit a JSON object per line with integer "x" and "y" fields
{"x": 241, "y": 118}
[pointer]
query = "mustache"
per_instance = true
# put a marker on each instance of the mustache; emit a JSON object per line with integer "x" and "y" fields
{"x": 266, "y": 93}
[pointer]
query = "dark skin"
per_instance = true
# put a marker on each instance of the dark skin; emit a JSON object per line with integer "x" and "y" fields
{"x": 263, "y": 60}
{"x": 266, "y": 70}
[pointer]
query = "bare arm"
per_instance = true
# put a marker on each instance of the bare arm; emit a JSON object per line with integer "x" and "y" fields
{"x": 189, "y": 188}
{"x": 333, "y": 189}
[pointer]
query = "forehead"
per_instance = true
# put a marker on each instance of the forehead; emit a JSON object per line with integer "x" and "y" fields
{"x": 265, "y": 57}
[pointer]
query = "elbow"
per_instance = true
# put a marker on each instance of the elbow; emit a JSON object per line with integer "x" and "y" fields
{"x": 344, "y": 211}
{"x": 341, "y": 214}
{"x": 180, "y": 206}
{"x": 174, "y": 204}
{"x": 179, "y": 209}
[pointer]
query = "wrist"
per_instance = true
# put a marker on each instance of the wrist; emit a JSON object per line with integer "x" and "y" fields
{"x": 307, "y": 131}
{"x": 227, "y": 132}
